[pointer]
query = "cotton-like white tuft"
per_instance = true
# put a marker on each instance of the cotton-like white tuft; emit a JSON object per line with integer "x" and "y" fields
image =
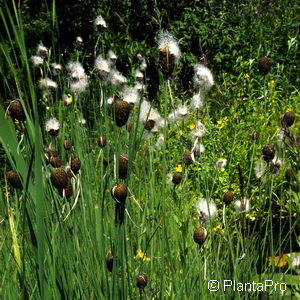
{"x": 206, "y": 209}
{"x": 203, "y": 78}
{"x": 167, "y": 42}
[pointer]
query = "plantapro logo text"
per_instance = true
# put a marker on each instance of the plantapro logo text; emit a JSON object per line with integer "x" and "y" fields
{"x": 265, "y": 286}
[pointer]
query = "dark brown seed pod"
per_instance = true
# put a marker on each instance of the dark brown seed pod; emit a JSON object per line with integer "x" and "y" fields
{"x": 14, "y": 179}
{"x": 141, "y": 280}
{"x": 59, "y": 178}
{"x": 55, "y": 161}
{"x": 101, "y": 28}
{"x": 176, "y": 178}
{"x": 268, "y": 152}
{"x": 264, "y": 66}
{"x": 228, "y": 197}
{"x": 166, "y": 61}
{"x": 119, "y": 192}
{"x": 110, "y": 263}
{"x": 200, "y": 235}
{"x": 188, "y": 157}
{"x": 48, "y": 154}
{"x": 149, "y": 125}
{"x": 52, "y": 152}
{"x": 75, "y": 164}
{"x": 68, "y": 144}
{"x": 101, "y": 141}
{"x": 288, "y": 119}
{"x": 53, "y": 132}
{"x": 67, "y": 191}
{"x": 122, "y": 111}
{"x": 16, "y": 110}
{"x": 123, "y": 165}
{"x": 255, "y": 136}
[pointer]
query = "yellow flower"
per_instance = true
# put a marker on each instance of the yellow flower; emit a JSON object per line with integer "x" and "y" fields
{"x": 180, "y": 132}
{"x": 178, "y": 168}
{"x": 251, "y": 217}
{"x": 246, "y": 75}
{"x": 141, "y": 255}
{"x": 218, "y": 228}
{"x": 221, "y": 123}
{"x": 192, "y": 126}
{"x": 289, "y": 109}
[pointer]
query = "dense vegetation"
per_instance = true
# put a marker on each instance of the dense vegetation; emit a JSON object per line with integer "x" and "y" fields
{"x": 148, "y": 148}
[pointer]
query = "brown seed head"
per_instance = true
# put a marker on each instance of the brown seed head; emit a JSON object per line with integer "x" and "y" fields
{"x": 177, "y": 177}
{"x": 59, "y": 178}
{"x": 200, "y": 235}
{"x": 101, "y": 141}
{"x": 14, "y": 179}
{"x": 67, "y": 191}
{"x": 68, "y": 144}
{"x": 268, "y": 152}
{"x": 49, "y": 154}
{"x": 288, "y": 119}
{"x": 122, "y": 111}
{"x": 264, "y": 66}
{"x": 166, "y": 61}
{"x": 188, "y": 157}
{"x": 228, "y": 197}
{"x": 149, "y": 125}
{"x": 119, "y": 192}
{"x": 141, "y": 280}
{"x": 16, "y": 110}
{"x": 55, "y": 162}
{"x": 75, "y": 164}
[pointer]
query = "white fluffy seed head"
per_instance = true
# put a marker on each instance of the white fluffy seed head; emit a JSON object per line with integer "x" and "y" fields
{"x": 197, "y": 101}
{"x": 37, "y": 60}
{"x": 48, "y": 84}
{"x": 206, "y": 209}
{"x": 221, "y": 163}
{"x": 179, "y": 113}
{"x": 112, "y": 55}
{"x": 99, "y": 21}
{"x": 116, "y": 78}
{"x": 131, "y": 95}
{"x": 79, "y": 86}
{"x": 102, "y": 64}
{"x": 203, "y": 78}
{"x": 42, "y": 51}
{"x": 76, "y": 71}
{"x": 242, "y": 206}
{"x": 199, "y": 131}
{"x": 168, "y": 43}
{"x": 52, "y": 124}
